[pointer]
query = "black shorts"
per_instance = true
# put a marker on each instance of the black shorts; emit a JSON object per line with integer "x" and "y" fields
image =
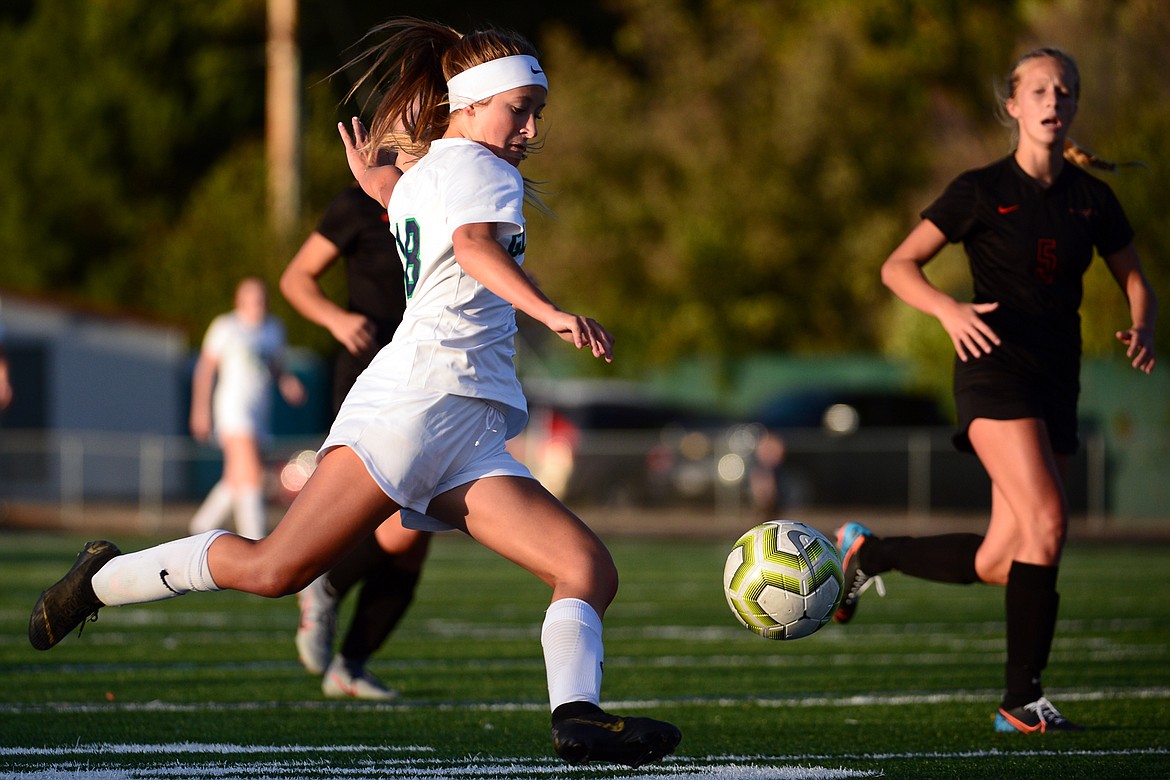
{"x": 992, "y": 390}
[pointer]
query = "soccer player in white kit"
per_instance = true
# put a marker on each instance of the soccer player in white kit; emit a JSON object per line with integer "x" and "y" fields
{"x": 241, "y": 356}
{"x": 424, "y": 428}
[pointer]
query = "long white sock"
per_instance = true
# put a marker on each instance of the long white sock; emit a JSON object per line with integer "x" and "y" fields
{"x": 250, "y": 519}
{"x": 214, "y": 511}
{"x": 157, "y": 573}
{"x": 573, "y": 652}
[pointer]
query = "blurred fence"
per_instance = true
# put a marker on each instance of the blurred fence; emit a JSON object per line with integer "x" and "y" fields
{"x": 912, "y": 470}
{"x": 74, "y": 469}
{"x": 917, "y": 470}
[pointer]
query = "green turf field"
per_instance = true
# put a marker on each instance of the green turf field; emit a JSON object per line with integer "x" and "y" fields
{"x": 208, "y": 686}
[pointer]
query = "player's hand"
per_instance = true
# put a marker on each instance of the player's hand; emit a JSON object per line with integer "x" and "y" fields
{"x": 355, "y": 146}
{"x": 201, "y": 424}
{"x": 970, "y": 335}
{"x": 354, "y": 332}
{"x": 583, "y": 332}
{"x": 291, "y": 389}
{"x": 1139, "y": 347}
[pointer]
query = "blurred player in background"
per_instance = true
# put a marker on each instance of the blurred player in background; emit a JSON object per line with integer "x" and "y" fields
{"x": 5, "y": 384}
{"x": 231, "y": 398}
{"x": 1029, "y": 223}
{"x": 425, "y": 427}
{"x": 355, "y": 229}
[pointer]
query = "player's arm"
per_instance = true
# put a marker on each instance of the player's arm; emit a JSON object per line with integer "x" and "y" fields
{"x": 478, "y": 252}
{"x": 287, "y": 384}
{"x": 301, "y": 286}
{"x": 902, "y": 273}
{"x": 376, "y": 177}
{"x": 1126, "y": 267}
{"x": 201, "y": 384}
{"x": 5, "y": 384}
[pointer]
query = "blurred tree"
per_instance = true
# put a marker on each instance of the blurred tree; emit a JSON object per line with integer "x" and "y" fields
{"x": 732, "y": 179}
{"x": 131, "y": 138}
{"x": 113, "y": 111}
{"x": 727, "y": 176}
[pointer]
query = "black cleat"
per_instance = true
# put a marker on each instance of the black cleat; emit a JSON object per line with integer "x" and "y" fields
{"x": 1038, "y": 716}
{"x": 71, "y": 601}
{"x": 599, "y": 736}
{"x": 850, "y": 538}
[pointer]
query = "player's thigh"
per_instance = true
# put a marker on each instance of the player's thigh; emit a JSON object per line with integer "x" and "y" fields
{"x": 1026, "y": 473}
{"x": 519, "y": 519}
{"x": 242, "y": 463}
{"x": 998, "y": 550}
{"x": 407, "y": 545}
{"x": 339, "y": 505}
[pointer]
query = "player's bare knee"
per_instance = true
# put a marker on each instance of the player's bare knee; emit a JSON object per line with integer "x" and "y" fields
{"x": 602, "y": 574}
{"x": 993, "y": 573}
{"x": 606, "y": 585}
{"x": 276, "y": 581}
{"x": 592, "y": 578}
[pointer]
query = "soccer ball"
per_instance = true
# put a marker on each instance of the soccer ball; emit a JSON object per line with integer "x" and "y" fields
{"x": 783, "y": 579}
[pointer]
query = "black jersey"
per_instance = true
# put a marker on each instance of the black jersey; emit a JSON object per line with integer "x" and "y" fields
{"x": 1029, "y": 246}
{"x": 360, "y": 229}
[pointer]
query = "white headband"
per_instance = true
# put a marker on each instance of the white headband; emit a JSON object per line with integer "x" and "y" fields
{"x": 493, "y": 77}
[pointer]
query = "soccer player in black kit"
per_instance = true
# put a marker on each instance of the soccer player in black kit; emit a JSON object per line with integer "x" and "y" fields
{"x": 1029, "y": 224}
{"x": 355, "y": 228}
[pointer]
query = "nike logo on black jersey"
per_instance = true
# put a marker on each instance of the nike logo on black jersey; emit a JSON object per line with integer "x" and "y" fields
{"x": 1007, "y": 209}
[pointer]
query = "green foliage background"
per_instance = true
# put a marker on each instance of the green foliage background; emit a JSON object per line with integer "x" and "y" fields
{"x": 725, "y": 177}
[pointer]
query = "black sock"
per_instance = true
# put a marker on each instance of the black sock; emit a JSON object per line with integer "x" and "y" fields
{"x": 1031, "y": 603}
{"x": 368, "y": 556}
{"x": 384, "y": 598}
{"x": 942, "y": 558}
{"x": 574, "y": 709}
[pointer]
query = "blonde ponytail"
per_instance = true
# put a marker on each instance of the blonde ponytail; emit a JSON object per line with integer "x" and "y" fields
{"x": 1086, "y": 159}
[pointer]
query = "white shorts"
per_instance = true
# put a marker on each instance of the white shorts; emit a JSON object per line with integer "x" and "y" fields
{"x": 232, "y": 418}
{"x": 423, "y": 444}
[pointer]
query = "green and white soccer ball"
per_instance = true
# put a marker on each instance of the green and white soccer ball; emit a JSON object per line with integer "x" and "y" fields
{"x": 783, "y": 579}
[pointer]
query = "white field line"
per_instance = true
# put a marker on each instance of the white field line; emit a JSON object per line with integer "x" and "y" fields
{"x": 392, "y": 668}
{"x": 219, "y": 626}
{"x": 309, "y": 762}
{"x": 951, "y": 651}
{"x": 859, "y": 700}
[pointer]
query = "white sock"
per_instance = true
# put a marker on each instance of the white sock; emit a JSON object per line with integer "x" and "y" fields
{"x": 157, "y": 573}
{"x": 250, "y": 519}
{"x": 214, "y": 510}
{"x": 573, "y": 652}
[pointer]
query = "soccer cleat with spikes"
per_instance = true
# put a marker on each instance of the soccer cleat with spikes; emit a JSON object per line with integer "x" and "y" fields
{"x": 600, "y": 736}
{"x": 70, "y": 601}
{"x": 348, "y": 680}
{"x": 1038, "y": 716}
{"x": 318, "y": 624}
{"x": 850, "y": 538}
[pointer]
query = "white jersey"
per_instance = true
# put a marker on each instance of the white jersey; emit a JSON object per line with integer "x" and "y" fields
{"x": 243, "y": 383}
{"x": 456, "y": 337}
